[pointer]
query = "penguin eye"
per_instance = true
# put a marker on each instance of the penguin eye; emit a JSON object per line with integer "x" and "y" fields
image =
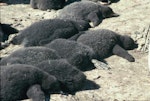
{"x": 112, "y": 40}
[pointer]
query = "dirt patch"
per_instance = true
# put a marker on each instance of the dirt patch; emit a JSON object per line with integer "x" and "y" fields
{"x": 125, "y": 80}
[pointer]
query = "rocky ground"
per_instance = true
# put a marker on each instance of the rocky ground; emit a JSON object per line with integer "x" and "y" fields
{"x": 125, "y": 81}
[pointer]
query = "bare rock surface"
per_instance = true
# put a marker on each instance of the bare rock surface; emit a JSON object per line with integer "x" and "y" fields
{"x": 125, "y": 81}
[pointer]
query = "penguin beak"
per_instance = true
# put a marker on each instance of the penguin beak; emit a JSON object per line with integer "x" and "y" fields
{"x": 136, "y": 45}
{"x": 114, "y": 15}
{"x": 111, "y": 15}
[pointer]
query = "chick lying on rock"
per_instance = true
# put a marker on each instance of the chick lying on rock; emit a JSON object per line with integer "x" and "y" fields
{"x": 70, "y": 78}
{"x": 87, "y": 11}
{"x": 45, "y": 31}
{"x": 105, "y": 43}
{"x": 20, "y": 81}
{"x": 76, "y": 53}
{"x": 30, "y": 56}
{"x": 5, "y": 31}
{"x": 47, "y": 4}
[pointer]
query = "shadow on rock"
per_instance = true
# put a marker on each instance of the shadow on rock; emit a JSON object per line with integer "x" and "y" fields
{"x": 115, "y": 1}
{"x": 90, "y": 85}
{"x": 15, "y": 1}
